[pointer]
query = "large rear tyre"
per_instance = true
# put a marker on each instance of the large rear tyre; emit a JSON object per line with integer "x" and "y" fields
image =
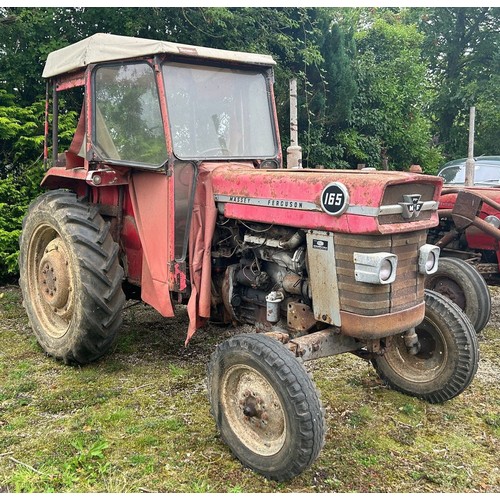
{"x": 70, "y": 278}
{"x": 463, "y": 285}
{"x": 265, "y": 406}
{"x": 447, "y": 359}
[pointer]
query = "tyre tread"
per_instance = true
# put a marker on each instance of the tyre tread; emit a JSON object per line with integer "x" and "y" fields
{"x": 100, "y": 273}
{"x": 308, "y": 411}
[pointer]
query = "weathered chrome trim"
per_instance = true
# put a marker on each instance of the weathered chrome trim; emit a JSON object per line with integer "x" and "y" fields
{"x": 267, "y": 202}
{"x": 362, "y": 210}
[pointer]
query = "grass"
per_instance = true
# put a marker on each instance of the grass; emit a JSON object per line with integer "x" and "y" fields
{"x": 139, "y": 420}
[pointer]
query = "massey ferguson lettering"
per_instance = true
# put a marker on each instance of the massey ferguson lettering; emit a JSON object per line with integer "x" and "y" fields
{"x": 266, "y": 202}
{"x": 284, "y": 203}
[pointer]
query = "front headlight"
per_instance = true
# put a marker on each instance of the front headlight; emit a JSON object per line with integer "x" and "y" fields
{"x": 493, "y": 220}
{"x": 428, "y": 259}
{"x": 379, "y": 268}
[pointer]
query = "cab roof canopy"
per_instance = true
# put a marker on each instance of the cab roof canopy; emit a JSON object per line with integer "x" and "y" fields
{"x": 106, "y": 47}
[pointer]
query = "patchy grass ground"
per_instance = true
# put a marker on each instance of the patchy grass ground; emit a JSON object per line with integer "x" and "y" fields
{"x": 139, "y": 421}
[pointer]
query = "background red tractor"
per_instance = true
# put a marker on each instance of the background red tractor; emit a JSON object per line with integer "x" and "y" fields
{"x": 468, "y": 235}
{"x": 173, "y": 190}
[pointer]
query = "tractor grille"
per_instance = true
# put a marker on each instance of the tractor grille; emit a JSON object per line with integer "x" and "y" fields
{"x": 369, "y": 299}
{"x": 394, "y": 195}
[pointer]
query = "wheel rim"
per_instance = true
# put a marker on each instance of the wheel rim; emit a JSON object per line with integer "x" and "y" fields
{"x": 50, "y": 280}
{"x": 449, "y": 288}
{"x": 428, "y": 363}
{"x": 253, "y": 410}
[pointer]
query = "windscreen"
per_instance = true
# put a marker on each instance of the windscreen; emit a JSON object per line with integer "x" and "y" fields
{"x": 219, "y": 112}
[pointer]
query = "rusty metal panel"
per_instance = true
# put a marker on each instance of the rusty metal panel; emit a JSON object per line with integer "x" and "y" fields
{"x": 467, "y": 206}
{"x": 323, "y": 277}
{"x": 243, "y": 192}
{"x": 380, "y": 326}
{"x": 394, "y": 195}
{"x": 300, "y": 317}
{"x": 324, "y": 343}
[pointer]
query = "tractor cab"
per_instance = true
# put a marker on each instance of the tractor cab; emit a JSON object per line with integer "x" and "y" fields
{"x": 149, "y": 104}
{"x": 152, "y": 113}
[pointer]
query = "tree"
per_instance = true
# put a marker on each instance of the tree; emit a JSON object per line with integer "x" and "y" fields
{"x": 388, "y": 118}
{"x": 463, "y": 46}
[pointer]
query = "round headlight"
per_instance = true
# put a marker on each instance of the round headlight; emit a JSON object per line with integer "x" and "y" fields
{"x": 493, "y": 220}
{"x": 385, "y": 270}
{"x": 430, "y": 262}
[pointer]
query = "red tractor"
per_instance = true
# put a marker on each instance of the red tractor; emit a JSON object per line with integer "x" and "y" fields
{"x": 468, "y": 235}
{"x": 173, "y": 188}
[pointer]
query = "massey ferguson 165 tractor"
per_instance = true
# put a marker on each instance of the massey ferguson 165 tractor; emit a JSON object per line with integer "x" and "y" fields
{"x": 173, "y": 188}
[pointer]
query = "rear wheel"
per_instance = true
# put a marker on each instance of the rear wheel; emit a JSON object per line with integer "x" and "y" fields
{"x": 447, "y": 358}
{"x": 265, "y": 405}
{"x": 464, "y": 286}
{"x": 70, "y": 277}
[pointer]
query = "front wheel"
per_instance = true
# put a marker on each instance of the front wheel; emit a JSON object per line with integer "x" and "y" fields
{"x": 265, "y": 406}
{"x": 463, "y": 285}
{"x": 447, "y": 358}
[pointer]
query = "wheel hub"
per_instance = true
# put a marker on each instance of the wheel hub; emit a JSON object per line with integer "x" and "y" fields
{"x": 449, "y": 288}
{"x": 253, "y": 410}
{"x": 53, "y": 276}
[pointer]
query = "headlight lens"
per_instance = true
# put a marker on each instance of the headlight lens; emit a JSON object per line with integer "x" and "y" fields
{"x": 493, "y": 220}
{"x": 385, "y": 270}
{"x": 428, "y": 259}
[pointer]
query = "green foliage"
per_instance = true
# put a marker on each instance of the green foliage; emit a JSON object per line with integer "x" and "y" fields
{"x": 21, "y": 132}
{"x": 20, "y": 143}
{"x": 16, "y": 192}
{"x": 390, "y": 109}
{"x": 462, "y": 46}
{"x": 21, "y": 146}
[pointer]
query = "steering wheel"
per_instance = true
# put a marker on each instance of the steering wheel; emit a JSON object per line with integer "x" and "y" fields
{"x": 212, "y": 150}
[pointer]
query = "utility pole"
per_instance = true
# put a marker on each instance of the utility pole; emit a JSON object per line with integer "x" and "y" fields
{"x": 469, "y": 164}
{"x": 294, "y": 151}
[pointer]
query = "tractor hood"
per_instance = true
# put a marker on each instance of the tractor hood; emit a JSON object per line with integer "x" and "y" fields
{"x": 346, "y": 201}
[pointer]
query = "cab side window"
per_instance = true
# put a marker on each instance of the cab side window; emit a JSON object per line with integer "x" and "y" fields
{"x": 127, "y": 117}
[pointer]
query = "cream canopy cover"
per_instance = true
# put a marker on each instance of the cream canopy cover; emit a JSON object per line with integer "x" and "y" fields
{"x": 106, "y": 47}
